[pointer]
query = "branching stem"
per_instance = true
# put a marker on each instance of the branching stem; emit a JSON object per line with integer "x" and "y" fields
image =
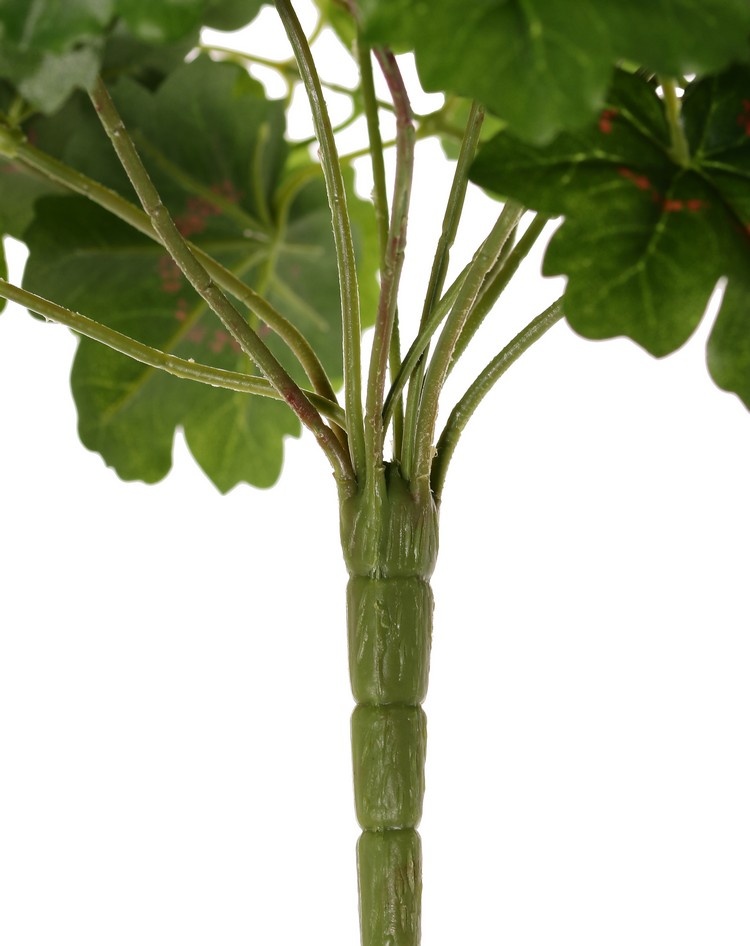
{"x": 209, "y": 291}
{"x": 440, "y": 263}
{"x": 342, "y": 233}
{"x": 153, "y": 357}
{"x": 462, "y": 412}
{"x": 393, "y": 257}
{"x": 72, "y": 180}
{"x": 440, "y": 362}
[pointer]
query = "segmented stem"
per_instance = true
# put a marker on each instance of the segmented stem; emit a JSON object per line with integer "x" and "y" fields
{"x": 390, "y": 545}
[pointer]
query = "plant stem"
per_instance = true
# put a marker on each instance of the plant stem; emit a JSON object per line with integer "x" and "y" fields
{"x": 72, "y": 180}
{"x": 342, "y": 232}
{"x": 153, "y": 357}
{"x": 680, "y": 149}
{"x": 440, "y": 262}
{"x": 462, "y": 412}
{"x": 207, "y": 289}
{"x": 380, "y": 201}
{"x": 440, "y": 362}
{"x": 394, "y": 257}
{"x": 496, "y": 281}
{"x": 419, "y": 345}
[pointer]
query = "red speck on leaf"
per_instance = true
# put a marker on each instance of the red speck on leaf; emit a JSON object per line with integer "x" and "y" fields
{"x": 181, "y": 312}
{"x": 640, "y": 180}
{"x": 605, "y": 120}
{"x": 220, "y": 340}
{"x": 170, "y": 276}
{"x": 743, "y": 119}
{"x": 196, "y": 334}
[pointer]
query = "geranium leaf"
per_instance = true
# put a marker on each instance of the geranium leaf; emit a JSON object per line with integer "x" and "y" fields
{"x": 543, "y": 65}
{"x": 728, "y": 347}
{"x": 219, "y": 164}
{"x": 231, "y": 14}
{"x": 646, "y": 236}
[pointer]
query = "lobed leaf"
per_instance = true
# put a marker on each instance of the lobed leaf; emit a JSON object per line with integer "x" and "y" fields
{"x": 215, "y": 148}
{"x": 50, "y": 48}
{"x": 543, "y": 65}
{"x": 646, "y": 236}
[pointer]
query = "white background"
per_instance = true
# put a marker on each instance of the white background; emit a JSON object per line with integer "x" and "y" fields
{"x": 174, "y": 703}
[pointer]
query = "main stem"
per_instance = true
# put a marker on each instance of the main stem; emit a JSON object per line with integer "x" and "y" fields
{"x": 390, "y": 544}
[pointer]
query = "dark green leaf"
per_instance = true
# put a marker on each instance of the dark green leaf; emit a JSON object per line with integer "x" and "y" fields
{"x": 644, "y": 266}
{"x": 543, "y": 65}
{"x": 161, "y": 22}
{"x": 729, "y": 342}
{"x": 231, "y": 14}
{"x": 214, "y": 147}
{"x": 645, "y": 237}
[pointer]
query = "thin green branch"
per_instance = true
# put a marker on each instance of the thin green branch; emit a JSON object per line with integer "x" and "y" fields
{"x": 153, "y": 357}
{"x": 462, "y": 412}
{"x": 207, "y": 289}
{"x": 497, "y": 280}
{"x": 680, "y": 149}
{"x": 394, "y": 257}
{"x": 451, "y": 218}
{"x": 72, "y": 180}
{"x": 342, "y": 232}
{"x": 440, "y": 363}
{"x": 420, "y": 343}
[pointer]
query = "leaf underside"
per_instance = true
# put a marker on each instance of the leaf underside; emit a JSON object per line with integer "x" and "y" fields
{"x": 215, "y": 149}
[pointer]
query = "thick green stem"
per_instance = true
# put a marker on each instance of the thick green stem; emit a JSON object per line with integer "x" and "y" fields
{"x": 462, "y": 412}
{"x": 342, "y": 233}
{"x": 390, "y": 545}
{"x": 204, "y": 285}
{"x": 72, "y": 180}
{"x": 172, "y": 364}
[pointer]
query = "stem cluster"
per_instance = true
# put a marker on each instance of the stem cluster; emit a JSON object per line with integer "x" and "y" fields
{"x": 394, "y": 396}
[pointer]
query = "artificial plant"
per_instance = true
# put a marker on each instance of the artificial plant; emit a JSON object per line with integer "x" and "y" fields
{"x": 172, "y": 225}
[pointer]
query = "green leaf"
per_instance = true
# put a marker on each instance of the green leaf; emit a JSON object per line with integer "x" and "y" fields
{"x": 215, "y": 149}
{"x": 161, "y": 22}
{"x": 231, "y": 14}
{"x": 645, "y": 237}
{"x": 47, "y": 49}
{"x": 543, "y": 65}
{"x": 643, "y": 267}
{"x": 728, "y": 347}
